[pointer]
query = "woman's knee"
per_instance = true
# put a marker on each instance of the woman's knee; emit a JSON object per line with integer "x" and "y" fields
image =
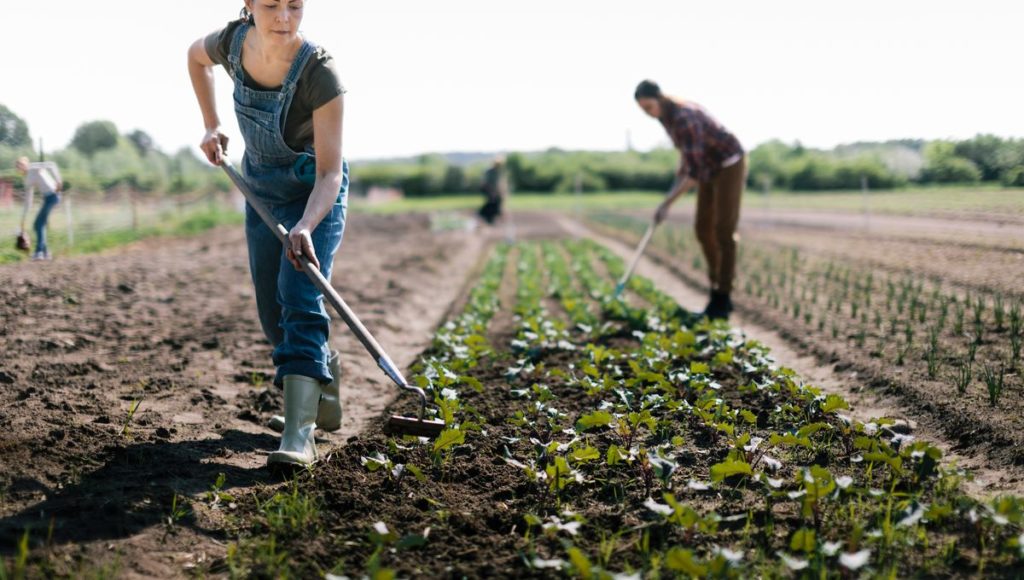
{"x": 726, "y": 237}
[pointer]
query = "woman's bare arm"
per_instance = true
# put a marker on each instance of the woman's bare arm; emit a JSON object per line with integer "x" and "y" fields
{"x": 327, "y": 130}
{"x": 200, "y": 70}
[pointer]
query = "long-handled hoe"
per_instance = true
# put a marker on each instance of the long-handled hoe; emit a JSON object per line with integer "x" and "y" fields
{"x": 418, "y": 426}
{"x": 621, "y": 287}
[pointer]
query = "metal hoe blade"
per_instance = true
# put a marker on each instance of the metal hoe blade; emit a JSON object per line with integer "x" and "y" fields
{"x": 400, "y": 425}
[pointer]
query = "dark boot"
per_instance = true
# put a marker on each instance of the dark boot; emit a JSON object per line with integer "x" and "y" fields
{"x": 720, "y": 306}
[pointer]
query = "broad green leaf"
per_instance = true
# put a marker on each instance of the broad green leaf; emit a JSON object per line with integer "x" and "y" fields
{"x": 699, "y": 368}
{"x": 614, "y": 455}
{"x": 728, "y": 468}
{"x": 681, "y": 560}
{"x": 834, "y": 403}
{"x": 586, "y": 454}
{"x": 723, "y": 358}
{"x": 863, "y": 443}
{"x": 788, "y": 439}
{"x": 803, "y": 541}
{"x": 449, "y": 438}
{"x": 595, "y": 419}
{"x": 808, "y": 430}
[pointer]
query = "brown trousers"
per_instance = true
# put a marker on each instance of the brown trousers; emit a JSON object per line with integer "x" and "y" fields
{"x": 718, "y": 213}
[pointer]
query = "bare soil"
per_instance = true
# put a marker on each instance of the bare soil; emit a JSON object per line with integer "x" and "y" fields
{"x": 171, "y": 327}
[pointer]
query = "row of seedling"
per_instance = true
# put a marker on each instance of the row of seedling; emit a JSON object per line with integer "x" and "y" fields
{"x": 899, "y": 316}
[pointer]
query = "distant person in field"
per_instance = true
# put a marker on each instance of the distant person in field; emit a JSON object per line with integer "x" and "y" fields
{"x": 45, "y": 177}
{"x": 495, "y": 190}
{"x": 713, "y": 161}
{"x": 289, "y": 103}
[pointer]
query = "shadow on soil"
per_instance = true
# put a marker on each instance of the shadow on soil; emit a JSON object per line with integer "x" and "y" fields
{"x": 133, "y": 491}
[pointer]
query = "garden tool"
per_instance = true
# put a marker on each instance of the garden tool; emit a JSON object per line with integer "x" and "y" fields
{"x": 419, "y": 426}
{"x": 22, "y": 242}
{"x": 636, "y": 259}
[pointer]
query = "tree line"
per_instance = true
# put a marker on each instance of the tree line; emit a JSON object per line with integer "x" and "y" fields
{"x": 100, "y": 158}
{"x": 772, "y": 165}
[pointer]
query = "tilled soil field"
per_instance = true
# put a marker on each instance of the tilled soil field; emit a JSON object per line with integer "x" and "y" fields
{"x": 129, "y": 381}
{"x": 600, "y": 438}
{"x": 586, "y": 436}
{"x": 927, "y": 351}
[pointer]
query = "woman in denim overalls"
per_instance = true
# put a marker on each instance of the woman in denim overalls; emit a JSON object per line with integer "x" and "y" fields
{"x": 307, "y": 193}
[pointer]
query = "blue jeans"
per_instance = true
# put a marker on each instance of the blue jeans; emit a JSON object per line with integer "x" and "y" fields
{"x": 51, "y": 200}
{"x": 291, "y": 308}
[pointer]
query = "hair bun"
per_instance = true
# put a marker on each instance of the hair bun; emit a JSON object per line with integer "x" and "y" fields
{"x": 648, "y": 89}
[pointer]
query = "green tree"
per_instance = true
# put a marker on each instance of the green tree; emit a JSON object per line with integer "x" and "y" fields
{"x": 142, "y": 141}
{"x": 943, "y": 165}
{"x": 985, "y": 152}
{"x": 768, "y": 164}
{"x": 13, "y": 129}
{"x": 95, "y": 136}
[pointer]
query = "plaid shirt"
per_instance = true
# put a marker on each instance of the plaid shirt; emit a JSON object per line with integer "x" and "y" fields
{"x": 703, "y": 142}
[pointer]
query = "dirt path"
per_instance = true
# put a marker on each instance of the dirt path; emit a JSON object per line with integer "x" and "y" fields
{"x": 996, "y": 231}
{"x": 867, "y": 404}
{"x": 170, "y": 326}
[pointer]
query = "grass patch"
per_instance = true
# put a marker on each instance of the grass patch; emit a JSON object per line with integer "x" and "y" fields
{"x": 519, "y": 201}
{"x": 916, "y": 200}
{"x": 287, "y": 515}
{"x": 168, "y": 223}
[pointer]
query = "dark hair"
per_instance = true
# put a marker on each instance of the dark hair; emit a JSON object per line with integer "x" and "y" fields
{"x": 246, "y": 16}
{"x": 648, "y": 90}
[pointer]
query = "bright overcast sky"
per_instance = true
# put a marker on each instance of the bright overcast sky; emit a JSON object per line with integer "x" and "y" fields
{"x": 471, "y": 75}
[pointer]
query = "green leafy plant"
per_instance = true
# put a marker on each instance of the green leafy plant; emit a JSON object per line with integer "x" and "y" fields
{"x": 994, "y": 379}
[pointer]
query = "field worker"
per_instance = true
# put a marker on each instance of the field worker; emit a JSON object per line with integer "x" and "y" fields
{"x": 495, "y": 190}
{"x": 45, "y": 177}
{"x": 289, "y": 104}
{"x": 712, "y": 159}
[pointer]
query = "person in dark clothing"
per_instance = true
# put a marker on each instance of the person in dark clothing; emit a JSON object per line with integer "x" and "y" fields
{"x": 495, "y": 189}
{"x": 713, "y": 161}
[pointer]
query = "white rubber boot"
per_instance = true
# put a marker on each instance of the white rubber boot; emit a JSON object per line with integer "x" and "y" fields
{"x": 328, "y": 417}
{"x": 301, "y": 400}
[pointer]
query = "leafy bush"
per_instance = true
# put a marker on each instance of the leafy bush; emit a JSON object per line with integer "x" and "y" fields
{"x": 944, "y": 166}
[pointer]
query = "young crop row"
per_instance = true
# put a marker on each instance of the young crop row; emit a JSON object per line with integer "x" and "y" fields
{"x": 969, "y": 340}
{"x": 603, "y": 438}
{"x": 720, "y": 461}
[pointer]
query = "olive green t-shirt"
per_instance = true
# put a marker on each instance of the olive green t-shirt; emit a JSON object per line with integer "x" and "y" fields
{"x": 318, "y": 84}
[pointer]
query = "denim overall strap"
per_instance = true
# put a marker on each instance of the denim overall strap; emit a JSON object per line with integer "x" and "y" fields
{"x": 269, "y": 163}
